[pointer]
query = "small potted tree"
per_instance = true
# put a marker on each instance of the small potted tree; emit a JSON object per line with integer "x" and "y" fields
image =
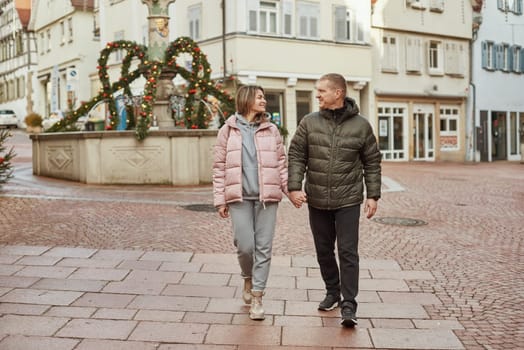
{"x": 34, "y": 123}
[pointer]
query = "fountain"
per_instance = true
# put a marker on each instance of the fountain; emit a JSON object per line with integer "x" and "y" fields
{"x": 161, "y": 151}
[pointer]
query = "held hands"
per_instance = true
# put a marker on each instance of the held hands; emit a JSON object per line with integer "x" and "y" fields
{"x": 370, "y": 207}
{"x": 223, "y": 211}
{"x": 297, "y": 198}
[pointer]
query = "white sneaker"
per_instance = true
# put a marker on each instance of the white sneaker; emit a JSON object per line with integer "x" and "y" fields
{"x": 256, "y": 312}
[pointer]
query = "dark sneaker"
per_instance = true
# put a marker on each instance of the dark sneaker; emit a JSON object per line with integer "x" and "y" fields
{"x": 330, "y": 302}
{"x": 349, "y": 319}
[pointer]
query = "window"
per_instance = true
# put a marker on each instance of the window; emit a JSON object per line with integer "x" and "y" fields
{"x": 517, "y": 7}
{"x": 119, "y": 53}
{"x": 389, "y": 54}
{"x": 507, "y": 58}
{"x": 514, "y": 6}
{"x": 145, "y": 35}
{"x": 268, "y": 16}
{"x": 454, "y": 64}
{"x": 308, "y": 20}
{"x": 449, "y": 119}
{"x": 42, "y": 43}
{"x": 264, "y": 17}
{"x": 70, "y": 29}
{"x": 287, "y": 10}
{"x": 48, "y": 41}
{"x": 343, "y": 22}
{"x": 488, "y": 55}
{"x": 435, "y": 58}
{"x": 195, "y": 19}
{"x": 413, "y": 54}
{"x": 62, "y": 33}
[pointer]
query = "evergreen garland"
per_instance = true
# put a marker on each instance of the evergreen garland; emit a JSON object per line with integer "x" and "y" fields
{"x": 200, "y": 86}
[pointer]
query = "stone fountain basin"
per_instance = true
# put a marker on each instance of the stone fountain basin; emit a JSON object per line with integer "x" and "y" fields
{"x": 177, "y": 157}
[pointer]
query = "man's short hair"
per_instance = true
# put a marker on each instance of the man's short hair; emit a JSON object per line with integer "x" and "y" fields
{"x": 336, "y": 80}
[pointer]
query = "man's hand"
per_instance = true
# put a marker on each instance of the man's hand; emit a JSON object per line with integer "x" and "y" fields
{"x": 370, "y": 208}
{"x": 297, "y": 198}
{"x": 223, "y": 211}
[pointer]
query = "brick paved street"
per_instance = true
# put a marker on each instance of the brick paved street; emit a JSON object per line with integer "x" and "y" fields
{"x": 132, "y": 267}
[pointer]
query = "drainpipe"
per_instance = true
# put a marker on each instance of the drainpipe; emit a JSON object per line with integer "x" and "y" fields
{"x": 471, "y": 152}
{"x": 224, "y": 59}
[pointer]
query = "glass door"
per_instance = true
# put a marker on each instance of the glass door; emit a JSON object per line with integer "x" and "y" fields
{"x": 423, "y": 133}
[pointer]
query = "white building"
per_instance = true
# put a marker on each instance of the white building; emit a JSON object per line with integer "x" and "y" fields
{"x": 282, "y": 45}
{"x": 421, "y": 77}
{"x": 17, "y": 58}
{"x": 67, "y": 51}
{"x": 498, "y": 78}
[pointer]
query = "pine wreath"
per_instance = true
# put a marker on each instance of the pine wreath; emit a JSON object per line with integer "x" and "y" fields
{"x": 200, "y": 85}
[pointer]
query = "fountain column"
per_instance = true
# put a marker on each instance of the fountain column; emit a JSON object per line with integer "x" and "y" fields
{"x": 158, "y": 23}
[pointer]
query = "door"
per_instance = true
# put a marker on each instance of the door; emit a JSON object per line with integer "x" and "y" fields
{"x": 423, "y": 132}
{"x": 498, "y": 136}
{"x": 392, "y": 131}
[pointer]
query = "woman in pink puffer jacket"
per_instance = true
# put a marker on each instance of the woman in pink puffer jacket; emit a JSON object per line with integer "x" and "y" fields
{"x": 249, "y": 177}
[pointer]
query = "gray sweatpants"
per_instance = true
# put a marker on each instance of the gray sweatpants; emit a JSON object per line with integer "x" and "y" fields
{"x": 253, "y": 229}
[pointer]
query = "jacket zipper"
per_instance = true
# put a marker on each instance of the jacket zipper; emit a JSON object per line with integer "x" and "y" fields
{"x": 260, "y": 182}
{"x": 333, "y": 137}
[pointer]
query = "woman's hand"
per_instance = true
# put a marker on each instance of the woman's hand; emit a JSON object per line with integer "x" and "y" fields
{"x": 223, "y": 211}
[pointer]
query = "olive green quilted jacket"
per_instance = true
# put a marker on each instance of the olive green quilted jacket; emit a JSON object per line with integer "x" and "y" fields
{"x": 338, "y": 153}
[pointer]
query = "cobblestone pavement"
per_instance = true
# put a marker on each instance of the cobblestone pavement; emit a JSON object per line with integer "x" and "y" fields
{"x": 471, "y": 244}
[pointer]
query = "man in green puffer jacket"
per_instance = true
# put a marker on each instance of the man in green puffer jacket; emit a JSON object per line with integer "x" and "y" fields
{"x": 338, "y": 152}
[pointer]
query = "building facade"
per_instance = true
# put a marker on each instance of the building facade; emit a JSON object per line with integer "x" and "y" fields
{"x": 282, "y": 45}
{"x": 421, "y": 78}
{"x": 67, "y": 54}
{"x": 498, "y": 79}
{"x": 18, "y": 58}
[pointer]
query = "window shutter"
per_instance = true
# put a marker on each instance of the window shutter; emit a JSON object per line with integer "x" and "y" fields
{"x": 484, "y": 54}
{"x": 511, "y": 51}
{"x": 461, "y": 59}
{"x": 521, "y": 60}
{"x": 500, "y": 4}
{"x": 340, "y": 23}
{"x": 413, "y": 54}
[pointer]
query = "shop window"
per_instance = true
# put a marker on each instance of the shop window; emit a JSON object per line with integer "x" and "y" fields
{"x": 449, "y": 128}
{"x": 275, "y": 106}
{"x": 391, "y": 133}
{"x": 303, "y": 104}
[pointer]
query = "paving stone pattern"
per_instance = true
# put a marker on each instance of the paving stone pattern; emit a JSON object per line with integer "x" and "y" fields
{"x": 128, "y": 267}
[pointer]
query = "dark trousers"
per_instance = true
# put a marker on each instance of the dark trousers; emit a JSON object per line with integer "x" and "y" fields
{"x": 340, "y": 226}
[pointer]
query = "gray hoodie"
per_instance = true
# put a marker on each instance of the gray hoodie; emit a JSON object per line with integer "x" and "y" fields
{"x": 250, "y": 190}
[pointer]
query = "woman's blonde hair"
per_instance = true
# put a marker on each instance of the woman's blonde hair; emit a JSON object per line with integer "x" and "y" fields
{"x": 246, "y": 96}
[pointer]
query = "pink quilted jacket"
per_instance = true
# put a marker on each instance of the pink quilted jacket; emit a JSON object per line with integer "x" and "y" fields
{"x": 227, "y": 167}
